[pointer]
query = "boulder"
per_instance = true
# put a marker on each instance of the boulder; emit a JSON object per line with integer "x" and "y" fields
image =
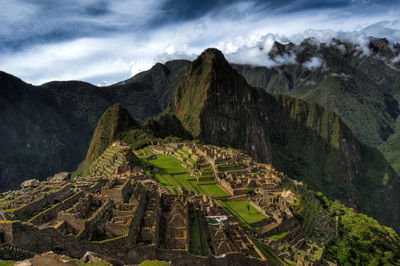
{"x": 92, "y": 258}
{"x": 288, "y": 196}
{"x": 63, "y": 176}
{"x": 31, "y": 183}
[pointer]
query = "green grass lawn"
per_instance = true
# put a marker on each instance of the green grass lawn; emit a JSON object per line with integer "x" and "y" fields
{"x": 168, "y": 163}
{"x": 214, "y": 190}
{"x": 198, "y": 240}
{"x": 239, "y": 210}
{"x": 277, "y": 236}
{"x": 154, "y": 263}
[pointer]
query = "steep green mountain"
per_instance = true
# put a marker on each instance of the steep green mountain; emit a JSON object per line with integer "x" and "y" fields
{"x": 46, "y": 129}
{"x": 347, "y": 237}
{"x": 166, "y": 125}
{"x": 363, "y": 90}
{"x": 116, "y": 124}
{"x": 112, "y": 123}
{"x": 304, "y": 140}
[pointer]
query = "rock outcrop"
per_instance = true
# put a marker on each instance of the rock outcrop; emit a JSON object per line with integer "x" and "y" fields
{"x": 31, "y": 183}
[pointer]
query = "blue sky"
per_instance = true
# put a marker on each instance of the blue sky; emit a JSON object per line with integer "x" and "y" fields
{"x": 107, "y": 41}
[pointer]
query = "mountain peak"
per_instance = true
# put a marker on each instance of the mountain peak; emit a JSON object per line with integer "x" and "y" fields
{"x": 213, "y": 54}
{"x": 115, "y": 119}
{"x": 209, "y": 76}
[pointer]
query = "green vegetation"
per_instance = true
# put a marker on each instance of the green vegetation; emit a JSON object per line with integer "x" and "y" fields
{"x": 154, "y": 263}
{"x": 109, "y": 128}
{"x": 213, "y": 190}
{"x": 278, "y": 236}
{"x": 168, "y": 165}
{"x": 268, "y": 253}
{"x": 391, "y": 149}
{"x": 362, "y": 240}
{"x": 136, "y": 138}
{"x": 166, "y": 125}
{"x": 239, "y": 209}
{"x": 7, "y": 263}
{"x": 198, "y": 240}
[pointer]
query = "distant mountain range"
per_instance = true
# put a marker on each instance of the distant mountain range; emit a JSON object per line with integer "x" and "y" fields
{"x": 45, "y": 129}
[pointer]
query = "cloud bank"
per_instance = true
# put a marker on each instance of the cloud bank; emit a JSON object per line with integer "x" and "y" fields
{"x": 108, "y": 41}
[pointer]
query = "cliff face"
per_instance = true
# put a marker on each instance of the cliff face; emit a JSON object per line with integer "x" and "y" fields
{"x": 304, "y": 140}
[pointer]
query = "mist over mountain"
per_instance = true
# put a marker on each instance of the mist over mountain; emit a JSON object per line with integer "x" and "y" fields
{"x": 362, "y": 89}
{"x": 317, "y": 114}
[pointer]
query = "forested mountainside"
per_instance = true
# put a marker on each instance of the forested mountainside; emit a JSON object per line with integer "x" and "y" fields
{"x": 217, "y": 106}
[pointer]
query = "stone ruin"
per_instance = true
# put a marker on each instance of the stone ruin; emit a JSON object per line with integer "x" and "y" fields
{"x": 119, "y": 212}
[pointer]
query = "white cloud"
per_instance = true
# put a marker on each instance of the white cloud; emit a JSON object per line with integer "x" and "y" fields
{"x": 315, "y": 62}
{"x": 170, "y": 49}
{"x": 341, "y": 75}
{"x": 244, "y": 33}
{"x": 140, "y": 65}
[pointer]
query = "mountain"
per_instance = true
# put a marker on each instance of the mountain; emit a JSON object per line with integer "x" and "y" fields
{"x": 112, "y": 123}
{"x": 304, "y": 140}
{"x": 362, "y": 87}
{"x": 46, "y": 129}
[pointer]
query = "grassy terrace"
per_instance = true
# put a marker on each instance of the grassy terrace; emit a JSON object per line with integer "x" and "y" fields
{"x": 168, "y": 165}
{"x": 198, "y": 239}
{"x": 239, "y": 210}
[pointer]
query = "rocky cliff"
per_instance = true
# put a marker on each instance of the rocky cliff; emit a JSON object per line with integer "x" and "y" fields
{"x": 306, "y": 141}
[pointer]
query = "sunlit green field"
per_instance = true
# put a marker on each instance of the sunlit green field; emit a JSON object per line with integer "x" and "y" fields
{"x": 240, "y": 211}
{"x": 168, "y": 167}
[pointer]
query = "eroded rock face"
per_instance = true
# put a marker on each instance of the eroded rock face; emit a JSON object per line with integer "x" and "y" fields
{"x": 31, "y": 183}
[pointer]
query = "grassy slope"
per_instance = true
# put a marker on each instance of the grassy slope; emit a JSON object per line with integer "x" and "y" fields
{"x": 391, "y": 149}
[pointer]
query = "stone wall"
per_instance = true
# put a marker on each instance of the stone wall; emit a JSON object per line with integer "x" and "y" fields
{"x": 6, "y": 229}
{"x": 8, "y": 252}
{"x": 37, "y": 206}
{"x": 101, "y": 215}
{"x": 52, "y": 212}
{"x": 73, "y": 223}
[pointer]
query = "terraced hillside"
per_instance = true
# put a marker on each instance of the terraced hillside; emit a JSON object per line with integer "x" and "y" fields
{"x": 190, "y": 204}
{"x": 115, "y": 158}
{"x": 304, "y": 140}
{"x": 292, "y": 224}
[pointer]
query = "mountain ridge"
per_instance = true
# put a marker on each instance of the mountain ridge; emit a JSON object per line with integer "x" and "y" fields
{"x": 302, "y": 139}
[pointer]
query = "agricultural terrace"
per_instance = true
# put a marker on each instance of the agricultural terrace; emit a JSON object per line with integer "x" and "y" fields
{"x": 242, "y": 211}
{"x": 172, "y": 175}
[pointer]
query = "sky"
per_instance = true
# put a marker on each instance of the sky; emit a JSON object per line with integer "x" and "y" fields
{"x": 104, "y": 42}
